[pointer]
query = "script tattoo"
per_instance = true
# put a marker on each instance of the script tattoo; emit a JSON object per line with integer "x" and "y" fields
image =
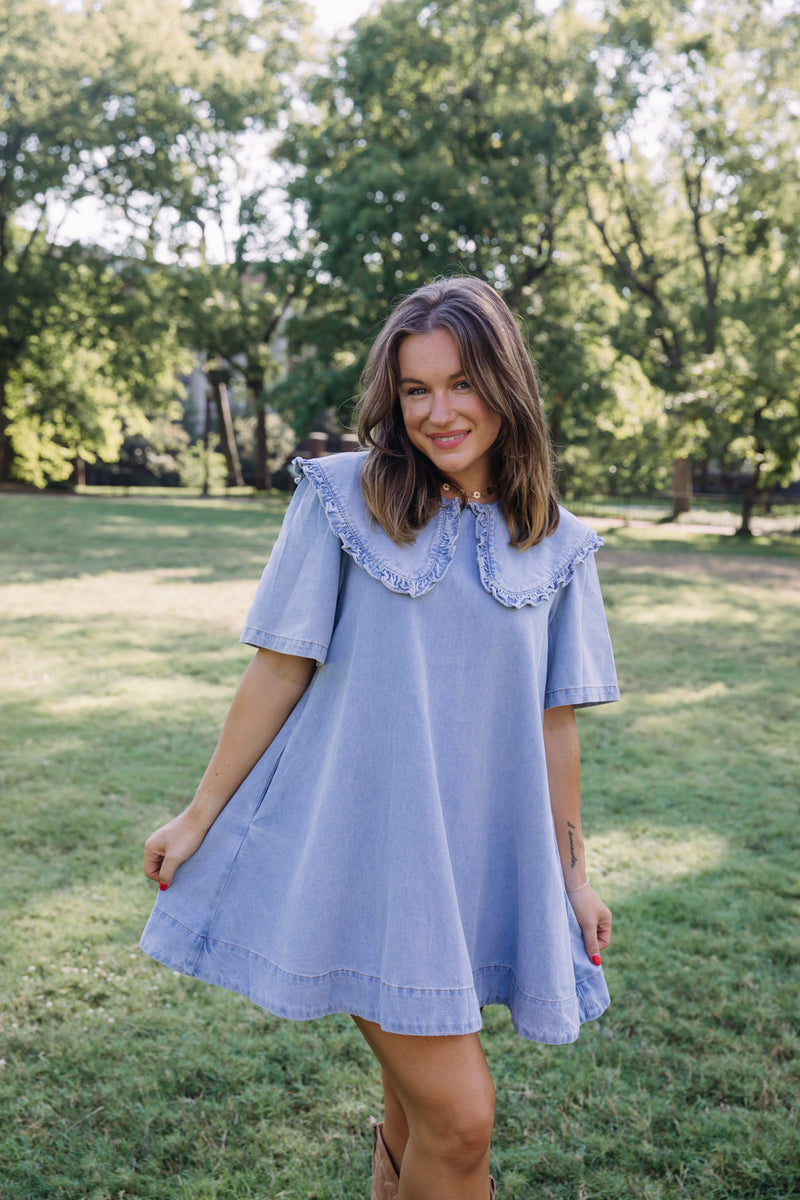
{"x": 572, "y": 858}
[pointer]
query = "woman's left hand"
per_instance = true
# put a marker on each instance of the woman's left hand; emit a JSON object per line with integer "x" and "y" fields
{"x": 594, "y": 919}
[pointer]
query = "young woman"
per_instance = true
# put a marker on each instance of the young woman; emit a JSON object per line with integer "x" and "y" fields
{"x": 390, "y": 823}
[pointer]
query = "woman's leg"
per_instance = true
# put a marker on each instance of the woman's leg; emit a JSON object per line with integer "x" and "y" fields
{"x": 395, "y": 1125}
{"x": 445, "y": 1097}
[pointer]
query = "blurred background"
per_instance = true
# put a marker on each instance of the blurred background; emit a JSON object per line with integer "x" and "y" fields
{"x": 207, "y": 208}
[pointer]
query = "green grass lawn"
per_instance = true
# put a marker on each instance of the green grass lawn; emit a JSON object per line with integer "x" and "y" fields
{"x": 119, "y": 621}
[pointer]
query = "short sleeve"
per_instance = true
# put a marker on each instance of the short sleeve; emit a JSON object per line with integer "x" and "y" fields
{"x": 294, "y": 607}
{"x": 580, "y": 661}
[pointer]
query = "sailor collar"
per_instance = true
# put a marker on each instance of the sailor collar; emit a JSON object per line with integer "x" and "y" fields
{"x": 514, "y": 577}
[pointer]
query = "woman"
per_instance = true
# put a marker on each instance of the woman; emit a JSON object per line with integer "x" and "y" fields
{"x": 390, "y": 823}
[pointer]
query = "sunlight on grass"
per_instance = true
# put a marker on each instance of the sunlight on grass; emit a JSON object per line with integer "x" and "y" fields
{"x": 649, "y": 856}
{"x": 119, "y": 622}
{"x": 678, "y": 537}
{"x": 668, "y": 700}
{"x": 701, "y": 608}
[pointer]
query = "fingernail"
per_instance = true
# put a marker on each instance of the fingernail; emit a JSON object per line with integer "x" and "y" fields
{"x": 163, "y": 887}
{"x": 595, "y": 957}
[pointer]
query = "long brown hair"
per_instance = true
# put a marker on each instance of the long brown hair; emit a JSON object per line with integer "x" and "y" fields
{"x": 401, "y": 487}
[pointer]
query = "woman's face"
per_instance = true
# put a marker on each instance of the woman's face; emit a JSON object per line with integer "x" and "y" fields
{"x": 444, "y": 417}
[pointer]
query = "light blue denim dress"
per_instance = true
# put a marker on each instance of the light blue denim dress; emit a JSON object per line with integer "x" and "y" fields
{"x": 392, "y": 854}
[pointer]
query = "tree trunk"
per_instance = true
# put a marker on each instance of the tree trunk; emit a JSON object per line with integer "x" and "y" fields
{"x": 6, "y": 445}
{"x": 749, "y": 498}
{"x": 207, "y": 439}
{"x": 263, "y": 473}
{"x": 220, "y": 391}
{"x": 78, "y": 472}
{"x": 681, "y": 487}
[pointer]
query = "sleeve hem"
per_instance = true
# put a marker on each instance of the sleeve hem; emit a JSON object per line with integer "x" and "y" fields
{"x": 582, "y": 697}
{"x": 251, "y": 636}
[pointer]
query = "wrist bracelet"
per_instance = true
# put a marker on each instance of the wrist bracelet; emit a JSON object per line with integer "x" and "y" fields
{"x": 578, "y": 888}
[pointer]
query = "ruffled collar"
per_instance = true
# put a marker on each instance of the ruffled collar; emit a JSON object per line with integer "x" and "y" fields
{"x": 513, "y": 577}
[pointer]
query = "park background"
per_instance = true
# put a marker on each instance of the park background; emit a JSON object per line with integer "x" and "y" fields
{"x": 206, "y": 210}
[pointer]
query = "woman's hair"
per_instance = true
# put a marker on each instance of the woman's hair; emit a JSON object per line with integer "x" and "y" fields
{"x": 401, "y": 487}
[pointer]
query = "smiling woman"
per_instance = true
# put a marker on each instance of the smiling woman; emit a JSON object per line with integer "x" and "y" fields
{"x": 390, "y": 824}
{"x": 444, "y": 416}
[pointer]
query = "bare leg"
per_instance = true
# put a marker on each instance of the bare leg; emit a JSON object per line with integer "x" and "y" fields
{"x": 395, "y": 1125}
{"x": 441, "y": 1092}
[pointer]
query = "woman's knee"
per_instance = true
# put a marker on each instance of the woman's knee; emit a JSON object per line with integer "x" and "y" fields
{"x": 460, "y": 1131}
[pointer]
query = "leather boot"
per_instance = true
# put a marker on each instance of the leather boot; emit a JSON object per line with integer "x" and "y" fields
{"x": 385, "y": 1180}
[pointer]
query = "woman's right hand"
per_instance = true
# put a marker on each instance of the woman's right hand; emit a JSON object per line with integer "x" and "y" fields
{"x": 169, "y": 846}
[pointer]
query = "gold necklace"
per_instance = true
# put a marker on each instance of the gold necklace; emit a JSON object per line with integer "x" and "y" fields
{"x": 447, "y": 487}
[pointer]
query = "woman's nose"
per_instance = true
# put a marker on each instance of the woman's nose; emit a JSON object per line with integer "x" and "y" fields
{"x": 441, "y": 407}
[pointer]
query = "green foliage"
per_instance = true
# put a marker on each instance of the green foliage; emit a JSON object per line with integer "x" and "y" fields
{"x": 281, "y": 439}
{"x": 695, "y": 212}
{"x": 118, "y": 628}
{"x": 138, "y": 105}
{"x": 624, "y": 446}
{"x": 445, "y": 139}
{"x": 156, "y": 450}
{"x": 107, "y": 353}
{"x": 204, "y": 467}
{"x": 62, "y": 407}
{"x": 625, "y": 175}
{"x": 136, "y": 102}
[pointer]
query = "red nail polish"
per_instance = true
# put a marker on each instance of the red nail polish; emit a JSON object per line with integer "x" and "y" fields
{"x": 596, "y": 960}
{"x": 163, "y": 887}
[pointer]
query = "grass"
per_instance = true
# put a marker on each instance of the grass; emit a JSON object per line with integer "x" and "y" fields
{"x": 122, "y": 1081}
{"x": 719, "y": 513}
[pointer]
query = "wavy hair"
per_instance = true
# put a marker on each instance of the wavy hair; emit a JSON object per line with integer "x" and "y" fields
{"x": 401, "y": 486}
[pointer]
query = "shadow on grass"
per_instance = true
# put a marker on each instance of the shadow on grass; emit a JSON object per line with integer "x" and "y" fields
{"x": 122, "y": 1079}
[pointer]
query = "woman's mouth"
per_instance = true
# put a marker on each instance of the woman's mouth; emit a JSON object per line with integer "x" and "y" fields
{"x": 445, "y": 440}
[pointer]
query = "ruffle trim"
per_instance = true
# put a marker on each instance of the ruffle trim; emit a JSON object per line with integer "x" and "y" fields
{"x": 545, "y": 568}
{"x": 445, "y": 535}
{"x": 562, "y": 574}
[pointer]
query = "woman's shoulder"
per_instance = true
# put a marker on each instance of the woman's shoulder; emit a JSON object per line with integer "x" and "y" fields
{"x": 338, "y": 470}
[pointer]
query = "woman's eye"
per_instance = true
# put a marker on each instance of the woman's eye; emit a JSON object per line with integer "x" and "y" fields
{"x": 463, "y": 386}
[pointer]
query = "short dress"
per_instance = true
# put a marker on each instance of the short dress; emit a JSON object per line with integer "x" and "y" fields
{"x": 392, "y": 854}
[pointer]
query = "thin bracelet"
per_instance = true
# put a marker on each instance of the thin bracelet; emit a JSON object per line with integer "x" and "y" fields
{"x": 578, "y": 888}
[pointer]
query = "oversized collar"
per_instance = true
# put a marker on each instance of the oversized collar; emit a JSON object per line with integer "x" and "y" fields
{"x": 514, "y": 577}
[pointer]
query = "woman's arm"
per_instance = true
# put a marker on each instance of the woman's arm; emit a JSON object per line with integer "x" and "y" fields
{"x": 562, "y": 752}
{"x": 269, "y": 690}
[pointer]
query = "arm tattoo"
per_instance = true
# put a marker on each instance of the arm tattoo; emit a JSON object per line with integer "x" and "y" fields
{"x": 572, "y": 859}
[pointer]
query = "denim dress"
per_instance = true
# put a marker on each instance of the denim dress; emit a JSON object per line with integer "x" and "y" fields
{"x": 392, "y": 854}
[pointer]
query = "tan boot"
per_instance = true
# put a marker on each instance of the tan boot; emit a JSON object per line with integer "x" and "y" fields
{"x": 385, "y": 1180}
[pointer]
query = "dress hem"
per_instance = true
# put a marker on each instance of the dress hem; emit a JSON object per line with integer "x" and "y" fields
{"x": 397, "y": 1009}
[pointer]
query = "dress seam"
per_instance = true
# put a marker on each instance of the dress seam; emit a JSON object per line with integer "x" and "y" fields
{"x": 281, "y": 637}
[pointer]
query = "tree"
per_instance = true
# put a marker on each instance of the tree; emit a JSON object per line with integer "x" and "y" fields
{"x": 136, "y": 106}
{"x": 445, "y": 138}
{"x": 746, "y": 395}
{"x": 678, "y": 216}
{"x": 106, "y": 352}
